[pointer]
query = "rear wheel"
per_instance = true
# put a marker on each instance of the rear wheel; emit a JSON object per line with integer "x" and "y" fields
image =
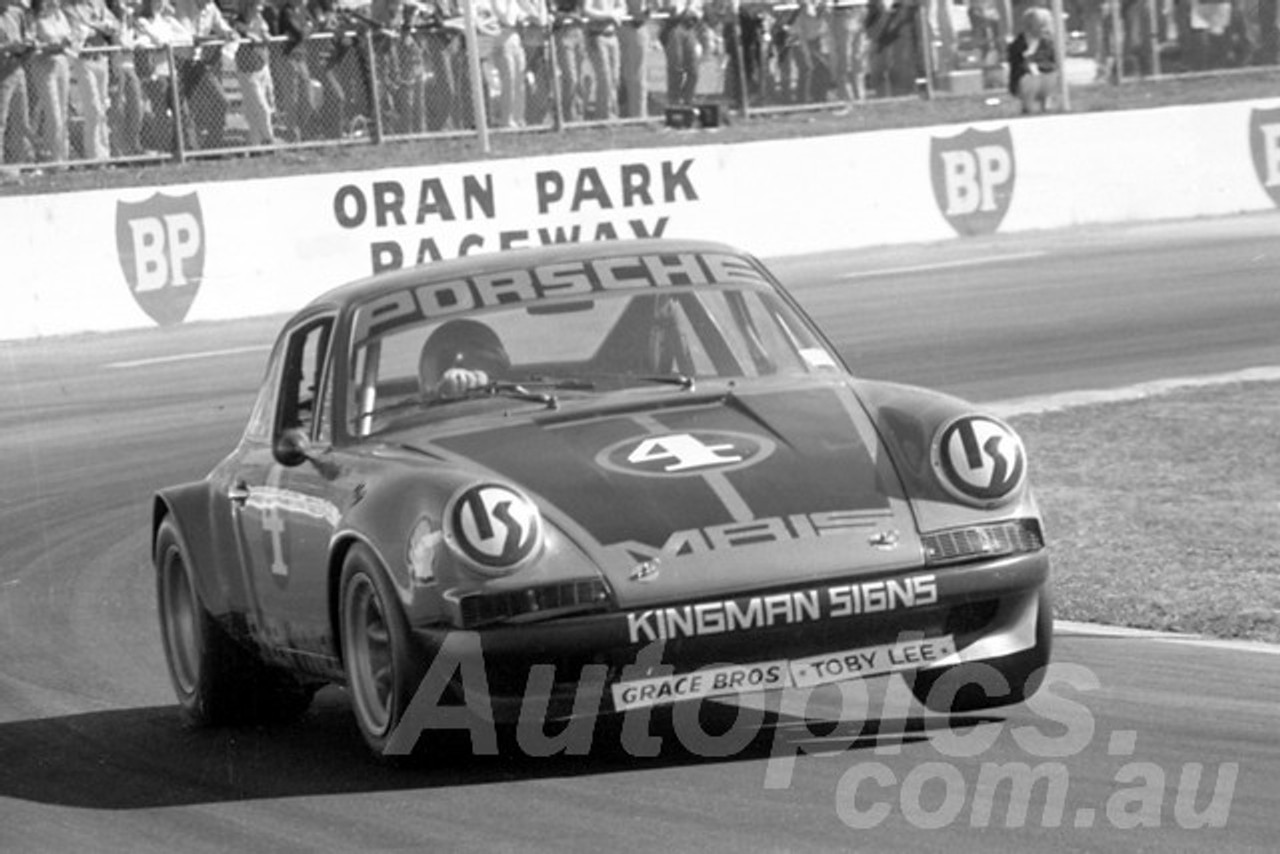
{"x": 377, "y": 651}
{"x": 217, "y": 680}
{"x": 978, "y": 685}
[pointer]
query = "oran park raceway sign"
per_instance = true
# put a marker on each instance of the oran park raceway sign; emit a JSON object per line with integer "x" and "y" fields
{"x": 457, "y": 212}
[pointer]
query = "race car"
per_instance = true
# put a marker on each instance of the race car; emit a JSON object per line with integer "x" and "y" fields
{"x": 638, "y": 460}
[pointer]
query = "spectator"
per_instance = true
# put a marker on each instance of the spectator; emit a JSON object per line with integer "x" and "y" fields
{"x": 51, "y": 72}
{"x": 127, "y": 105}
{"x": 290, "y": 73}
{"x": 16, "y": 45}
{"x": 603, "y": 19}
{"x": 805, "y": 39}
{"x": 727, "y": 15}
{"x": 326, "y": 52}
{"x": 95, "y": 28}
{"x": 200, "y": 72}
{"x": 1033, "y": 64}
{"x": 571, "y": 52}
{"x": 633, "y": 49}
{"x": 403, "y": 64}
{"x": 680, "y": 40}
{"x": 443, "y": 51}
{"x": 257, "y": 93}
{"x": 158, "y": 26}
{"x": 849, "y": 51}
{"x": 536, "y": 36}
{"x": 510, "y": 60}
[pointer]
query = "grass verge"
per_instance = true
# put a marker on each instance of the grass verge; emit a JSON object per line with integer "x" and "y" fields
{"x": 1162, "y": 513}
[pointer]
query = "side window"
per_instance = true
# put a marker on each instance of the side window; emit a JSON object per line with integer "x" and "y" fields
{"x": 304, "y": 363}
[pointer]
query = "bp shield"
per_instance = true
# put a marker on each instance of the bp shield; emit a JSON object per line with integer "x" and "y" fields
{"x": 161, "y": 246}
{"x": 973, "y": 178}
{"x": 1264, "y": 142}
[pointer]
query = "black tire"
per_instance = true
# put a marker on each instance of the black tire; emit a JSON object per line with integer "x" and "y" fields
{"x": 218, "y": 681}
{"x": 979, "y": 685}
{"x": 378, "y": 653}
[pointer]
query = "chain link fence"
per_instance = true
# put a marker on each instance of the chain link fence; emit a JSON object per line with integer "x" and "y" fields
{"x": 366, "y": 81}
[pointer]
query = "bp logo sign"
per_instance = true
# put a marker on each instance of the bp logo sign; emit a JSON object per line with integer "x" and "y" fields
{"x": 160, "y": 242}
{"x": 973, "y": 179}
{"x": 1264, "y": 140}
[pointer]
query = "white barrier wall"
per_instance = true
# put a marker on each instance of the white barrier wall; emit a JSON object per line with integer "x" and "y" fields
{"x": 118, "y": 259}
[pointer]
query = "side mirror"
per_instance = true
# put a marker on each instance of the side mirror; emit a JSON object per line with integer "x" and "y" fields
{"x": 292, "y": 447}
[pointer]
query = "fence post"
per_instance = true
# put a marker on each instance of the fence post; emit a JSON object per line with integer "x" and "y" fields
{"x": 1060, "y": 49}
{"x": 1153, "y": 39}
{"x": 553, "y": 54}
{"x": 925, "y": 34}
{"x": 175, "y": 101}
{"x": 375, "y": 86}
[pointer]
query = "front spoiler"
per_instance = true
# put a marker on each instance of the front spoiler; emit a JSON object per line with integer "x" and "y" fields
{"x": 983, "y": 611}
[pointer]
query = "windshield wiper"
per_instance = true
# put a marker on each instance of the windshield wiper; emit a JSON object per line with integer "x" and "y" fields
{"x": 683, "y": 380}
{"x": 405, "y": 403}
{"x": 498, "y": 388}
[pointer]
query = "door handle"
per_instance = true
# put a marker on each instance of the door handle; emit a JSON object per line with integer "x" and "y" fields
{"x": 239, "y": 493}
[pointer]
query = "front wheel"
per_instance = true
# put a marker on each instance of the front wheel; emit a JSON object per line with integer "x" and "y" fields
{"x": 377, "y": 651}
{"x": 218, "y": 681}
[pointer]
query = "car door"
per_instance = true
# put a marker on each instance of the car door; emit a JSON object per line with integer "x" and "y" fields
{"x": 285, "y": 514}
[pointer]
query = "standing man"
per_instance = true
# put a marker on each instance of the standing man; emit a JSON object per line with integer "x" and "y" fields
{"x": 680, "y": 40}
{"x": 603, "y": 19}
{"x": 849, "y": 51}
{"x": 571, "y": 52}
{"x": 200, "y": 71}
{"x": 16, "y": 44}
{"x": 290, "y": 74}
{"x": 633, "y": 47}
{"x": 93, "y": 27}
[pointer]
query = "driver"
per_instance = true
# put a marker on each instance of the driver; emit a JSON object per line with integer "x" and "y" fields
{"x": 460, "y": 356}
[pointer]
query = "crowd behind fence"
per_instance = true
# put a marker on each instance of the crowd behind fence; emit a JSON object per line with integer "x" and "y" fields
{"x": 85, "y": 81}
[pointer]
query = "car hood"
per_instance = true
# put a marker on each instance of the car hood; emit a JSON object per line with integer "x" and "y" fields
{"x": 690, "y": 494}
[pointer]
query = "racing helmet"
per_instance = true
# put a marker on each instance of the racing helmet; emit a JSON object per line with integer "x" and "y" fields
{"x": 461, "y": 344}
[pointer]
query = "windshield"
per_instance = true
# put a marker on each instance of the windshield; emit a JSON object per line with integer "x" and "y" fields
{"x": 572, "y": 329}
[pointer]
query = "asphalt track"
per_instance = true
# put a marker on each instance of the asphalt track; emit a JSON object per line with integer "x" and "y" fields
{"x": 1128, "y": 731}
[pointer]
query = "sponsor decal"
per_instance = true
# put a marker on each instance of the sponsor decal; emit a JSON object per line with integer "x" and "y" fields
{"x": 494, "y": 527}
{"x": 454, "y": 215}
{"x": 834, "y": 602}
{"x": 773, "y": 529}
{"x": 684, "y": 454}
{"x": 973, "y": 178}
{"x": 979, "y": 459}
{"x": 1264, "y": 140}
{"x": 161, "y": 246}
{"x": 809, "y": 672}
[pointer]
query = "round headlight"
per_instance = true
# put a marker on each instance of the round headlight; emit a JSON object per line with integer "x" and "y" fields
{"x": 979, "y": 460}
{"x": 495, "y": 528}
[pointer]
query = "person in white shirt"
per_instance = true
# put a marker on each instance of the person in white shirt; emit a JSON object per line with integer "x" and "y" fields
{"x": 51, "y": 74}
{"x": 604, "y": 17}
{"x": 94, "y": 27}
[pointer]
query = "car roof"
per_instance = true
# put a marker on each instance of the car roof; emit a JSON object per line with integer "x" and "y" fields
{"x": 490, "y": 262}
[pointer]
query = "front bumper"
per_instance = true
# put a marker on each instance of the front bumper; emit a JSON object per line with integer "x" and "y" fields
{"x": 792, "y": 636}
